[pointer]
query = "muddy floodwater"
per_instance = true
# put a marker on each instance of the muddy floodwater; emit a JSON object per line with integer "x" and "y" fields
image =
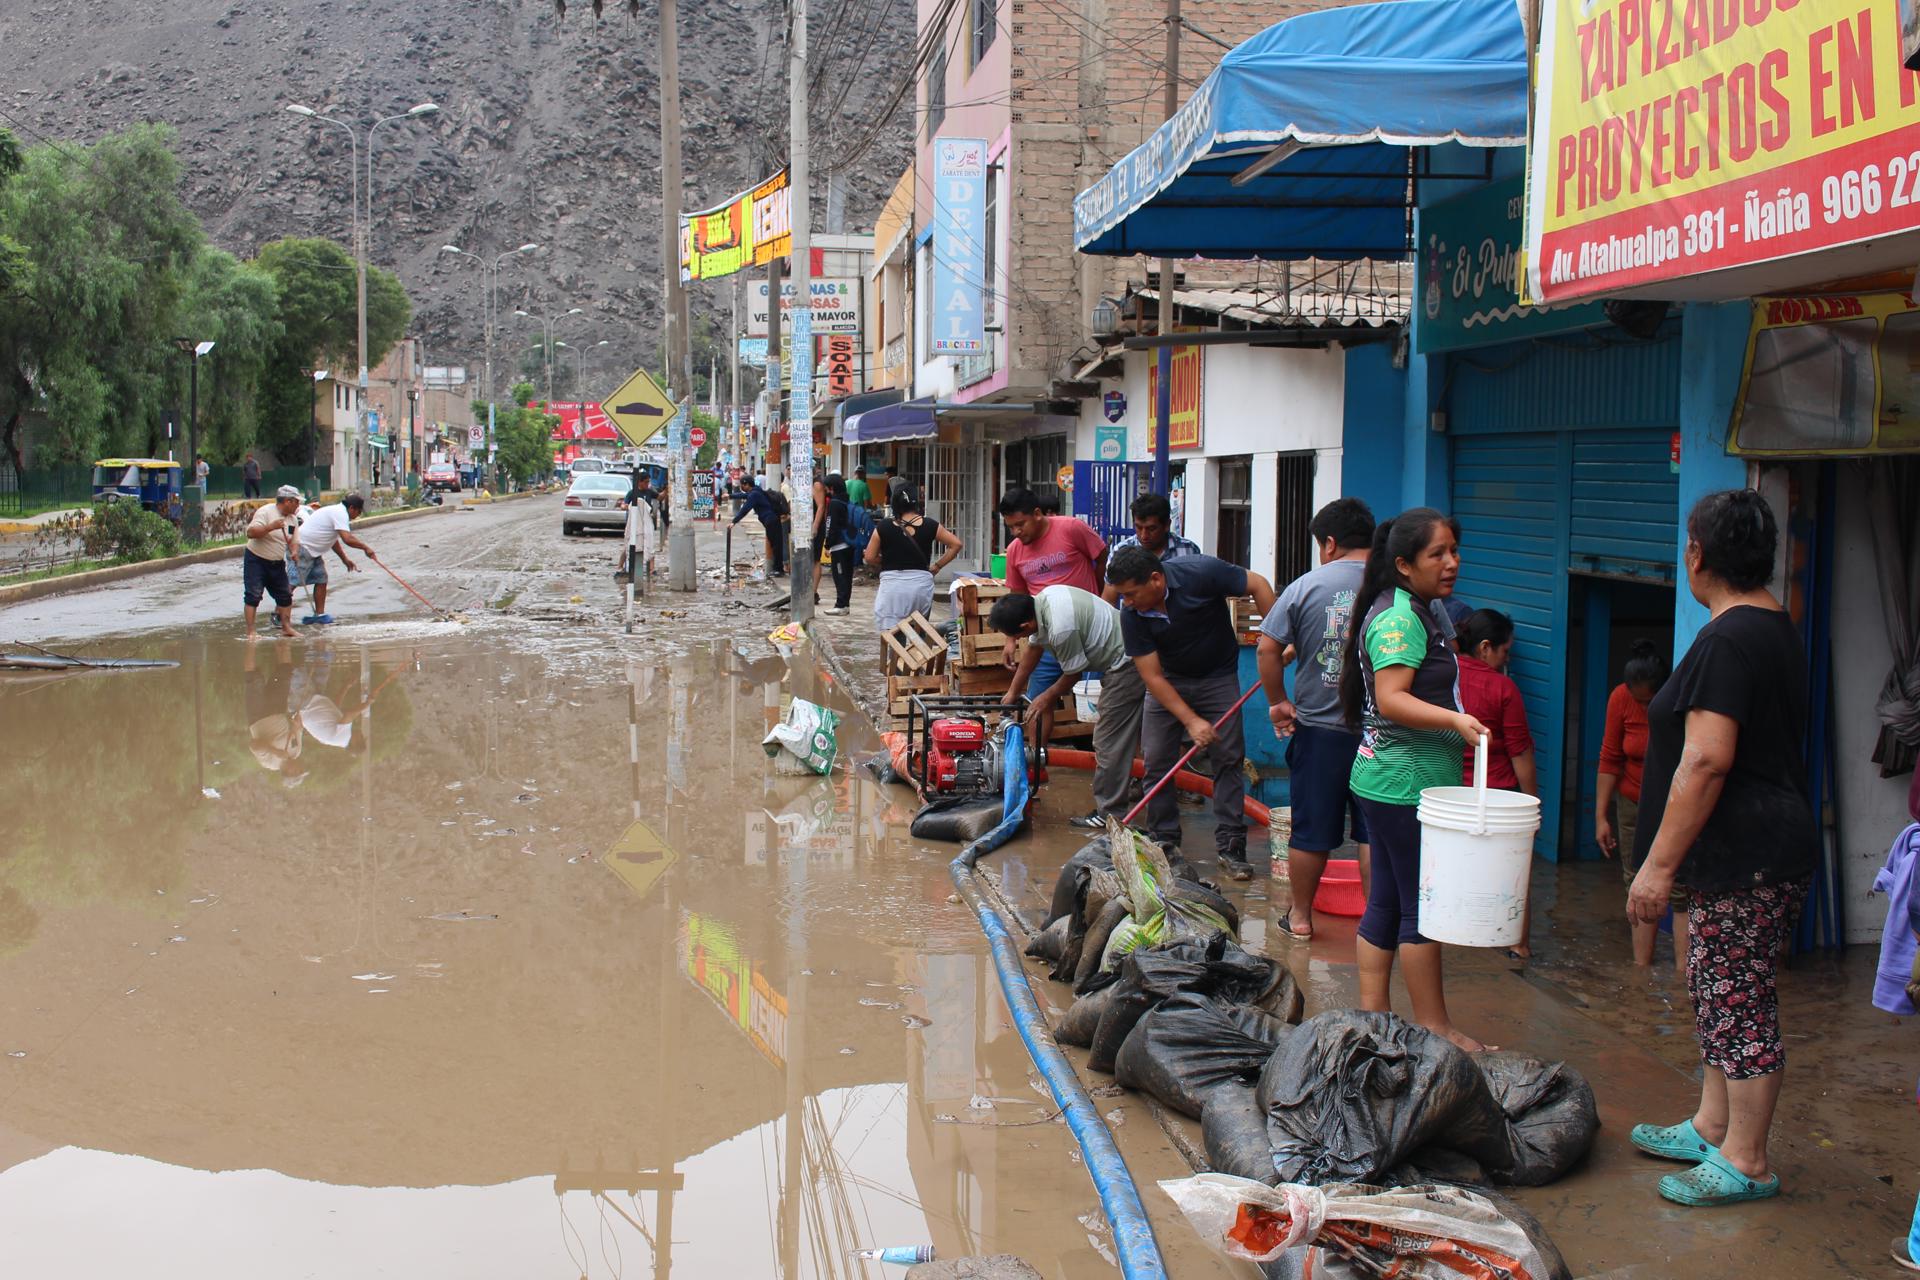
{"x": 413, "y": 957}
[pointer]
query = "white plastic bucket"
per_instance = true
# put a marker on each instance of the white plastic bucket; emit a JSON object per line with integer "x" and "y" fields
{"x": 1476, "y": 845}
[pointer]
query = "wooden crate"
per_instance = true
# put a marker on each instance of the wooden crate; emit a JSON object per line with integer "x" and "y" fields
{"x": 974, "y": 597}
{"x": 915, "y": 647}
{"x": 1246, "y": 622}
{"x": 987, "y": 649}
{"x": 902, "y": 689}
{"x": 994, "y": 679}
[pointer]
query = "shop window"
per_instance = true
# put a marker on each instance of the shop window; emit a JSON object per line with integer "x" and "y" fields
{"x": 1234, "y": 542}
{"x": 1293, "y": 510}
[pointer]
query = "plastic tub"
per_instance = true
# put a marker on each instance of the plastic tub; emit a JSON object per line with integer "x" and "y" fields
{"x": 998, "y": 566}
{"x": 1339, "y": 893}
{"x": 1476, "y": 848}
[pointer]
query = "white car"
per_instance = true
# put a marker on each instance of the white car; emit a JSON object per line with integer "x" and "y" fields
{"x": 594, "y": 499}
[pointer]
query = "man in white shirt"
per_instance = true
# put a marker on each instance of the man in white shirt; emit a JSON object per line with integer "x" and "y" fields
{"x": 324, "y": 529}
{"x": 1082, "y": 634}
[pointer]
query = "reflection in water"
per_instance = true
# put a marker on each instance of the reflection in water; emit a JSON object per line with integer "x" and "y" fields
{"x": 450, "y": 1042}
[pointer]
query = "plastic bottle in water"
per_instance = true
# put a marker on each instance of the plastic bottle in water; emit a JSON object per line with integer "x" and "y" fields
{"x": 903, "y": 1254}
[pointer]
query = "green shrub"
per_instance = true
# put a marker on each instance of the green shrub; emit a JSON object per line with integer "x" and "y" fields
{"x": 124, "y": 531}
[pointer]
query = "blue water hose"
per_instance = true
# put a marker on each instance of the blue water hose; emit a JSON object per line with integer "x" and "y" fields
{"x": 1132, "y": 1234}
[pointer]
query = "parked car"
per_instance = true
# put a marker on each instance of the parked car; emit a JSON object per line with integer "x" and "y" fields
{"x": 588, "y": 466}
{"x": 442, "y": 477}
{"x": 594, "y": 500}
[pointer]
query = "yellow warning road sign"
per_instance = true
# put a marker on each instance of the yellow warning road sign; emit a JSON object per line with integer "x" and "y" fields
{"x": 639, "y": 408}
{"x": 640, "y": 857}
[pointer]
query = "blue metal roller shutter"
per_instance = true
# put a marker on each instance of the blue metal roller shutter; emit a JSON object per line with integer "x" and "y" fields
{"x": 1509, "y": 497}
{"x": 1626, "y": 499}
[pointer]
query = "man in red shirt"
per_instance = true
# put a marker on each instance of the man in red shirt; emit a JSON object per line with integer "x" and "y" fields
{"x": 1045, "y": 551}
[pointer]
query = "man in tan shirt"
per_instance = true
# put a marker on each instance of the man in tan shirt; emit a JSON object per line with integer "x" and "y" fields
{"x": 264, "y": 564}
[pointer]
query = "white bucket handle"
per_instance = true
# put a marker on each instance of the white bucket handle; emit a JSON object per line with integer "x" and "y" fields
{"x": 1480, "y": 785}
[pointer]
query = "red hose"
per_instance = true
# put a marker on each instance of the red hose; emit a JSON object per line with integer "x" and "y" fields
{"x": 1079, "y": 758}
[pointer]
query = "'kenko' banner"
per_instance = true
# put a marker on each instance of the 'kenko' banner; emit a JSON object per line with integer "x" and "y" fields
{"x": 959, "y": 246}
{"x": 1675, "y": 137}
{"x": 750, "y": 230}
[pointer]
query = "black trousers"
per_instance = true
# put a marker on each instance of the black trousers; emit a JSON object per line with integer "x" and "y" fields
{"x": 840, "y": 563}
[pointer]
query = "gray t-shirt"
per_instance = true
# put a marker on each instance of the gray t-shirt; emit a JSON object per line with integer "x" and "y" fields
{"x": 1312, "y": 615}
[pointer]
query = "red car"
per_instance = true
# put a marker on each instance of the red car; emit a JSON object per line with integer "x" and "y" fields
{"x": 443, "y": 476}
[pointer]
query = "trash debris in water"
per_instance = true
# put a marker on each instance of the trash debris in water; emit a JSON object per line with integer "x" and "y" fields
{"x": 810, "y": 733}
{"x": 373, "y": 977}
{"x": 904, "y": 1255}
{"x": 457, "y": 916}
{"x": 915, "y": 1022}
{"x": 209, "y": 793}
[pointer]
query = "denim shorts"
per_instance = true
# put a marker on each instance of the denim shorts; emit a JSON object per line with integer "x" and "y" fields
{"x": 309, "y": 571}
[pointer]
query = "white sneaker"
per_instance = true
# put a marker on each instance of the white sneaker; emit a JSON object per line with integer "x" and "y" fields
{"x": 837, "y": 612}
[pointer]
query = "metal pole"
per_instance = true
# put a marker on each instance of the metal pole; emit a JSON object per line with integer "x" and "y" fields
{"x": 193, "y": 414}
{"x": 733, "y": 367}
{"x": 800, "y": 424}
{"x": 361, "y": 232}
{"x": 777, "y": 402}
{"x": 681, "y": 569}
{"x": 1163, "y": 398}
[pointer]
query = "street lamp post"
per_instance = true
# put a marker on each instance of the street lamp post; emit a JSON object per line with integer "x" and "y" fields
{"x": 313, "y": 442}
{"x": 194, "y": 351}
{"x": 489, "y": 282}
{"x": 362, "y": 231}
{"x": 546, "y": 339}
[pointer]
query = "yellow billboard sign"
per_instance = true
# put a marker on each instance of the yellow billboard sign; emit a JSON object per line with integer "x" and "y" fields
{"x": 1677, "y": 137}
{"x": 749, "y": 230}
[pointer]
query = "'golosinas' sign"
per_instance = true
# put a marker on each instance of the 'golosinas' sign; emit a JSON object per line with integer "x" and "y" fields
{"x": 1675, "y": 137}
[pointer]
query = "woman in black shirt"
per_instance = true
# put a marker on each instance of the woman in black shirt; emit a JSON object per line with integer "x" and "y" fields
{"x": 1725, "y": 812}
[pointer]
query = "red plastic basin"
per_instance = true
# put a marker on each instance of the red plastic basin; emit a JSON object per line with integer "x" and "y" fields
{"x": 1339, "y": 893}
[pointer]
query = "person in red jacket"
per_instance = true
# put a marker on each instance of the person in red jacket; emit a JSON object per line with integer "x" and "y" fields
{"x": 1623, "y": 750}
{"x": 1489, "y": 695}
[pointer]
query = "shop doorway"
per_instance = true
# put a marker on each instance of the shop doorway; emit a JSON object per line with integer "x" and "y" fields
{"x": 1606, "y": 616}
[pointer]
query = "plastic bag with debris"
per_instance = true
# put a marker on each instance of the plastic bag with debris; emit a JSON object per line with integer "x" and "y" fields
{"x": 1412, "y": 1233}
{"x": 809, "y": 733}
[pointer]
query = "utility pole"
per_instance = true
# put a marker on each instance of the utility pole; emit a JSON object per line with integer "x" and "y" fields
{"x": 777, "y": 383}
{"x": 733, "y": 367}
{"x": 800, "y": 424}
{"x": 1163, "y": 358}
{"x": 681, "y": 571}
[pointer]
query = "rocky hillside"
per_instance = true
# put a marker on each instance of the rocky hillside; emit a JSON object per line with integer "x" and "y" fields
{"x": 548, "y": 130}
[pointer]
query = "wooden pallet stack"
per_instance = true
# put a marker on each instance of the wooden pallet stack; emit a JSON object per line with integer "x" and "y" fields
{"x": 1246, "y": 620}
{"x": 979, "y": 664}
{"x": 914, "y": 655}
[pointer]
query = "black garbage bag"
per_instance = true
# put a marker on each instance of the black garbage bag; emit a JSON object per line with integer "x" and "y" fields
{"x": 1233, "y": 1130}
{"x": 1051, "y": 942}
{"x": 1078, "y": 1024}
{"x": 1215, "y": 966}
{"x": 1191, "y": 1044}
{"x": 1094, "y": 944}
{"x": 958, "y": 819}
{"x": 1350, "y": 1095}
{"x": 1552, "y": 1117}
{"x": 1070, "y": 888}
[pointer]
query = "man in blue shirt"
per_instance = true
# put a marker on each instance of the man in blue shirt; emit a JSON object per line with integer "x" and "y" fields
{"x": 1177, "y": 623}
{"x": 754, "y": 499}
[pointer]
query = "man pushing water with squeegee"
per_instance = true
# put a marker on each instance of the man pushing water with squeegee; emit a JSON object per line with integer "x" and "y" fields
{"x": 324, "y": 529}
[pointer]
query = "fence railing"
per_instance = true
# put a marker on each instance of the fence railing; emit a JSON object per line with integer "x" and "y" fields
{"x": 52, "y": 488}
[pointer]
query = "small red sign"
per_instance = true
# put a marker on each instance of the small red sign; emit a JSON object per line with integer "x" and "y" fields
{"x": 698, "y": 435}
{"x": 1673, "y": 453}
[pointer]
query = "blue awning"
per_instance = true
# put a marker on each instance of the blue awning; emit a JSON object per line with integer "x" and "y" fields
{"x": 910, "y": 421}
{"x": 1333, "y": 101}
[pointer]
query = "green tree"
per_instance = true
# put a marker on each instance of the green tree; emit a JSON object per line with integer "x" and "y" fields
{"x": 100, "y": 245}
{"x": 318, "y": 313}
{"x": 523, "y": 434}
{"x": 237, "y": 307}
{"x": 704, "y": 456}
{"x": 13, "y": 259}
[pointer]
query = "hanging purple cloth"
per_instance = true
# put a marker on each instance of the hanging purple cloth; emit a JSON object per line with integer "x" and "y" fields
{"x": 1897, "y": 944}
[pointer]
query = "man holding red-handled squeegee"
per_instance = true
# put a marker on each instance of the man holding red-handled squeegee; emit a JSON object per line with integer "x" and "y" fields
{"x": 1176, "y": 618}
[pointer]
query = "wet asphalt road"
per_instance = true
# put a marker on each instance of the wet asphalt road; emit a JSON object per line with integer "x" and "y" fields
{"x": 496, "y": 947}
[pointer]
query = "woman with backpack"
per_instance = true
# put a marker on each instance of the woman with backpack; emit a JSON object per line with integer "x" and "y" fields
{"x": 903, "y": 550}
{"x": 834, "y": 536}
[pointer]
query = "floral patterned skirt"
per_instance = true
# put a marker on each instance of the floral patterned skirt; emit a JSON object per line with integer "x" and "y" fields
{"x": 1733, "y": 955}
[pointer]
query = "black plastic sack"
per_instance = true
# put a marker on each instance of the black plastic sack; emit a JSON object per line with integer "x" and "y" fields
{"x": 1233, "y": 1130}
{"x": 1094, "y": 944}
{"x": 1069, "y": 889}
{"x": 1190, "y": 1045}
{"x": 1078, "y": 1024}
{"x": 1350, "y": 1095}
{"x": 1051, "y": 942}
{"x": 1552, "y": 1117}
{"x": 957, "y": 819}
{"x": 1215, "y": 966}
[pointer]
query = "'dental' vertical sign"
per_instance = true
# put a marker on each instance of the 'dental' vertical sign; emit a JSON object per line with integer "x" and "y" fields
{"x": 959, "y": 245}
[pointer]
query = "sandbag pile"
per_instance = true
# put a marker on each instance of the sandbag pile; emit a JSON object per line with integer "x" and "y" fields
{"x": 1354, "y": 1097}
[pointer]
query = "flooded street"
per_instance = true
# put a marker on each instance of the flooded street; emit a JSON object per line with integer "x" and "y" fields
{"x": 487, "y": 951}
{"x": 498, "y": 947}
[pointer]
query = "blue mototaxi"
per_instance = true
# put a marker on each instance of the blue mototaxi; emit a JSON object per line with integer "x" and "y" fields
{"x": 152, "y": 482}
